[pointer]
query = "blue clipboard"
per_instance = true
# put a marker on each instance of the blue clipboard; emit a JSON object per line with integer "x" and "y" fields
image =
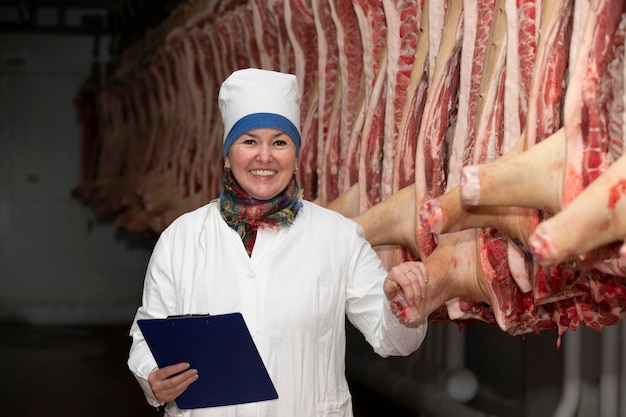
{"x": 221, "y": 348}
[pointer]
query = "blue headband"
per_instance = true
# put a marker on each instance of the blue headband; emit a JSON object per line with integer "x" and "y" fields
{"x": 258, "y": 121}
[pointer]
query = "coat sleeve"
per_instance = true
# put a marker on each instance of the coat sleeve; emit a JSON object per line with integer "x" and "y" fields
{"x": 158, "y": 301}
{"x": 369, "y": 310}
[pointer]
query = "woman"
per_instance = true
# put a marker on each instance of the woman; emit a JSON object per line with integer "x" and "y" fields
{"x": 293, "y": 269}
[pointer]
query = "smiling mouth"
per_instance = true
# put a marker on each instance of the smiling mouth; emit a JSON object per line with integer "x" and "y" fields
{"x": 263, "y": 172}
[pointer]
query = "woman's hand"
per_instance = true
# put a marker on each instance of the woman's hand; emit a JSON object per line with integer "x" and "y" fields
{"x": 167, "y": 387}
{"x": 405, "y": 287}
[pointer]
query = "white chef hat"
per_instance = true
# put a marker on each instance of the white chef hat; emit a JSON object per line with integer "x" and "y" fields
{"x": 254, "y": 98}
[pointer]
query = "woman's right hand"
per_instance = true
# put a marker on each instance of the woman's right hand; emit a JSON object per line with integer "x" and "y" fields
{"x": 167, "y": 387}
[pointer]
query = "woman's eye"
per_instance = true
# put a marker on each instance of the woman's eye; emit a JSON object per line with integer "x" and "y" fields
{"x": 280, "y": 143}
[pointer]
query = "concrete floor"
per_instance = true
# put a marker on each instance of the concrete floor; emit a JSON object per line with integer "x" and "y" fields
{"x": 81, "y": 371}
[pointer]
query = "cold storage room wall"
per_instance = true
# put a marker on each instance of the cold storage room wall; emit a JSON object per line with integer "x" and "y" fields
{"x": 58, "y": 264}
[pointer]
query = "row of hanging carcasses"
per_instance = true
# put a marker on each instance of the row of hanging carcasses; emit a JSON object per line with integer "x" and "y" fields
{"x": 397, "y": 95}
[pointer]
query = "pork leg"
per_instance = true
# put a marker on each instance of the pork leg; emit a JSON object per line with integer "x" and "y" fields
{"x": 599, "y": 213}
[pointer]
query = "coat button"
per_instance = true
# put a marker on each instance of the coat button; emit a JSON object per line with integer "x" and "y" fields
{"x": 251, "y": 274}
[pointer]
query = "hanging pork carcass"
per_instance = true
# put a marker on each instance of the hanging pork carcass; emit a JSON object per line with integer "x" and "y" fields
{"x": 468, "y": 135}
{"x": 534, "y": 178}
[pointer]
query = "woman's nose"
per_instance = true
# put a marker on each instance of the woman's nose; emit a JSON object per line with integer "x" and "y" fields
{"x": 265, "y": 153}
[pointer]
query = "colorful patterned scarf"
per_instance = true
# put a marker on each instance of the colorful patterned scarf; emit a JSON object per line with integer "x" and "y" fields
{"x": 246, "y": 214}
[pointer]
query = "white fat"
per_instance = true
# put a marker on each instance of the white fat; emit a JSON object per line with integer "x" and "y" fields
{"x": 470, "y": 185}
{"x": 517, "y": 267}
{"x": 454, "y": 309}
{"x": 614, "y": 266}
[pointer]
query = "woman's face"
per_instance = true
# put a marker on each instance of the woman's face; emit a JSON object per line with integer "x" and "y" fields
{"x": 262, "y": 161}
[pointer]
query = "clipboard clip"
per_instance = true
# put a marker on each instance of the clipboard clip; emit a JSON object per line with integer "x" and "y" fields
{"x": 182, "y": 316}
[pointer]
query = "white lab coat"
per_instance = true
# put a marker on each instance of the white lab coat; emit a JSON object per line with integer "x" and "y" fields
{"x": 294, "y": 293}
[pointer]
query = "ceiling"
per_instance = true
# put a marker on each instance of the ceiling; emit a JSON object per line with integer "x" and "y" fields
{"x": 123, "y": 20}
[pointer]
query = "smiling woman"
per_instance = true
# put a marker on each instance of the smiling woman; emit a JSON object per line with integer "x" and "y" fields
{"x": 293, "y": 269}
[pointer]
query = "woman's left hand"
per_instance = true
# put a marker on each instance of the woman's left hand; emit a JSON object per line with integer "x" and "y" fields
{"x": 405, "y": 287}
